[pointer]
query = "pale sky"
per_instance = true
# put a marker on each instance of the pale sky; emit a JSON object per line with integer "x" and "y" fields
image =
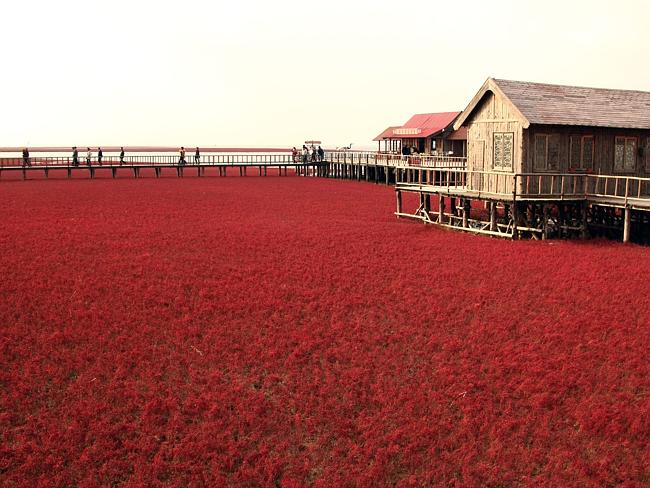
{"x": 275, "y": 73}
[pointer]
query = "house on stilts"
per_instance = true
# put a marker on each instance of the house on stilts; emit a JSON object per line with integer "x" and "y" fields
{"x": 544, "y": 161}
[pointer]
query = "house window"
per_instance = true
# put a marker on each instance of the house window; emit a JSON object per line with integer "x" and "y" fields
{"x": 625, "y": 154}
{"x": 503, "y": 144}
{"x": 581, "y": 152}
{"x": 547, "y": 152}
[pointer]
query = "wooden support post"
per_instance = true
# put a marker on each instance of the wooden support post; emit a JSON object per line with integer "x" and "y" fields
{"x": 585, "y": 230}
{"x": 260, "y": 170}
{"x": 241, "y": 171}
{"x": 464, "y": 203}
{"x": 387, "y": 174}
{"x": 24, "y": 174}
{"x": 398, "y": 195}
{"x": 427, "y": 203}
{"x": 441, "y": 208}
{"x": 113, "y": 172}
{"x": 69, "y": 173}
{"x": 626, "y": 224}
{"x": 545, "y": 215}
{"x": 47, "y": 171}
{"x": 493, "y": 216}
{"x": 515, "y": 217}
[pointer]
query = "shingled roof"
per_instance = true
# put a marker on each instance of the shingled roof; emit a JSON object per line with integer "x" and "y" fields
{"x": 540, "y": 103}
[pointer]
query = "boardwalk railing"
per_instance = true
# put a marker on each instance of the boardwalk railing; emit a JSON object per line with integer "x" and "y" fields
{"x": 620, "y": 190}
{"x": 395, "y": 160}
{"x": 336, "y": 157}
{"x": 162, "y": 160}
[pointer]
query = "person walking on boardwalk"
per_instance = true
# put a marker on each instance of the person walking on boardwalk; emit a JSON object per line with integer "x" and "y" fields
{"x": 197, "y": 156}
{"x": 294, "y": 154}
{"x": 305, "y": 153}
{"x": 181, "y": 159}
{"x": 310, "y": 153}
{"x": 75, "y": 156}
{"x": 26, "y": 161}
{"x": 321, "y": 154}
{"x": 121, "y": 156}
{"x": 99, "y": 155}
{"x": 89, "y": 155}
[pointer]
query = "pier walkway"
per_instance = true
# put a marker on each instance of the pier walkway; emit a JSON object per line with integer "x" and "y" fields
{"x": 367, "y": 166}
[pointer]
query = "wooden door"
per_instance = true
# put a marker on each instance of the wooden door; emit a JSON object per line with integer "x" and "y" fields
{"x": 476, "y": 163}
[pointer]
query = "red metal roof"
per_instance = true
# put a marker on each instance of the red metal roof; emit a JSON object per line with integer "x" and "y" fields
{"x": 387, "y": 134}
{"x": 419, "y": 126}
{"x": 424, "y": 125}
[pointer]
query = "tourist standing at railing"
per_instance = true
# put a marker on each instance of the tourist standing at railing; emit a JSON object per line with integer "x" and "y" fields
{"x": 405, "y": 152}
{"x": 121, "y": 156}
{"x": 75, "y": 156}
{"x": 99, "y": 155}
{"x": 305, "y": 154}
{"x": 197, "y": 156}
{"x": 181, "y": 159}
{"x": 294, "y": 154}
{"x": 26, "y": 161}
{"x": 89, "y": 155}
{"x": 321, "y": 154}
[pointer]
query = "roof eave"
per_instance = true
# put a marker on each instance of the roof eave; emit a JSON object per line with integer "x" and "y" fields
{"x": 489, "y": 85}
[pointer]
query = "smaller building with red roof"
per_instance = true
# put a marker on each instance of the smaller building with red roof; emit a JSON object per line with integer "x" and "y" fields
{"x": 431, "y": 133}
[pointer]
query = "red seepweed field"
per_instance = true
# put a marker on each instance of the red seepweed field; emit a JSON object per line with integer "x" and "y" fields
{"x": 291, "y": 332}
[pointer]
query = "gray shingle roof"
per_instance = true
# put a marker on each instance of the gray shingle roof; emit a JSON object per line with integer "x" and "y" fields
{"x": 572, "y": 105}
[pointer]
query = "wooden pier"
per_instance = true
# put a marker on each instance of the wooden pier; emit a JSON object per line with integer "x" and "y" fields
{"x": 360, "y": 166}
{"x": 510, "y": 205}
{"x": 262, "y": 165}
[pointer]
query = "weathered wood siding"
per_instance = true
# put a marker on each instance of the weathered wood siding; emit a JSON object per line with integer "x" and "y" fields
{"x": 604, "y": 144}
{"x": 493, "y": 114}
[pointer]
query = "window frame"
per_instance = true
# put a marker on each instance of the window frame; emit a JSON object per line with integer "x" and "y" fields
{"x": 501, "y": 167}
{"x": 545, "y": 168}
{"x": 622, "y": 169}
{"x": 582, "y": 166}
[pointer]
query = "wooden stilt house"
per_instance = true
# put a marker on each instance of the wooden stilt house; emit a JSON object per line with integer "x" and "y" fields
{"x": 550, "y": 160}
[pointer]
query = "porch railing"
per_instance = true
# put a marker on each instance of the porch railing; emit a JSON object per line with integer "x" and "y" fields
{"x": 625, "y": 190}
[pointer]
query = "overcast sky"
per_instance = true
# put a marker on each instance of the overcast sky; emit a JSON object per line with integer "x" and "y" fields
{"x": 274, "y": 73}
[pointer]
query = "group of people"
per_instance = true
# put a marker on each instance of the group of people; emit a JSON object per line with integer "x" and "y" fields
{"x": 181, "y": 159}
{"x": 89, "y": 155}
{"x": 308, "y": 154}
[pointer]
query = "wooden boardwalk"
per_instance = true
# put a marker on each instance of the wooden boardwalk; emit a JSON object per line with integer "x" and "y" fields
{"x": 367, "y": 166}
